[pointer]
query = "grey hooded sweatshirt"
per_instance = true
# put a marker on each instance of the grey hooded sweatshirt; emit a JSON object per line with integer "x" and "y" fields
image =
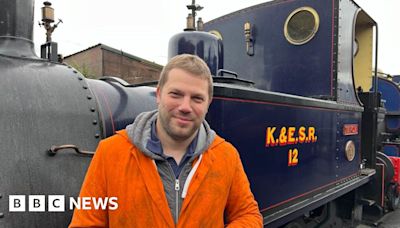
{"x": 139, "y": 133}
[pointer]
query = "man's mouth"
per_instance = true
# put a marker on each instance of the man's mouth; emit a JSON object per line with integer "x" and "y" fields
{"x": 183, "y": 120}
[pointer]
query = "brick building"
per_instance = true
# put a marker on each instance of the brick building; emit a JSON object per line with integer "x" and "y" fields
{"x": 102, "y": 60}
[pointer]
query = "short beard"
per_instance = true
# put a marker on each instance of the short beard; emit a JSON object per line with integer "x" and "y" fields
{"x": 168, "y": 130}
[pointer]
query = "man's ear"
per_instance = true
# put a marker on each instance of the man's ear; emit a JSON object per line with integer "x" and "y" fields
{"x": 210, "y": 101}
{"x": 158, "y": 94}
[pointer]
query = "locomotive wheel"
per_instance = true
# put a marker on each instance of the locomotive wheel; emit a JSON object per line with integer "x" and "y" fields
{"x": 393, "y": 197}
{"x": 389, "y": 169}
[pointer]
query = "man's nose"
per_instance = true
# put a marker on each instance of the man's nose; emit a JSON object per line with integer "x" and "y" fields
{"x": 185, "y": 105}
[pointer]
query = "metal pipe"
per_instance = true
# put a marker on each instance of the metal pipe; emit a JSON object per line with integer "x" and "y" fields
{"x": 376, "y": 60}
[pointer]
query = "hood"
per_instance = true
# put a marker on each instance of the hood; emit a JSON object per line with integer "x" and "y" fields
{"x": 139, "y": 134}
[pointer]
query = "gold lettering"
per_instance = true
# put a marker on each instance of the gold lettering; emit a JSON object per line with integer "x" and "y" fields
{"x": 269, "y": 139}
{"x": 311, "y": 134}
{"x": 290, "y": 138}
{"x": 302, "y": 134}
{"x": 282, "y": 137}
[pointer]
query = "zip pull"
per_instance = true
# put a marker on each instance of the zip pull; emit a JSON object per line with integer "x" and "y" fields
{"x": 177, "y": 185}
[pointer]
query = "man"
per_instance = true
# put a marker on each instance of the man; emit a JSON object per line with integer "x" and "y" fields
{"x": 169, "y": 168}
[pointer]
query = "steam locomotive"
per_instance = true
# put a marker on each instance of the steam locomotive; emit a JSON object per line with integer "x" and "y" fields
{"x": 293, "y": 91}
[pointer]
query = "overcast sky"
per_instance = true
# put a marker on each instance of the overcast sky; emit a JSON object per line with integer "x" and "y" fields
{"x": 143, "y": 28}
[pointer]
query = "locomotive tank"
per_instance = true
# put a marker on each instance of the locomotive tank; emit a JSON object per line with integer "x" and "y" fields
{"x": 51, "y": 119}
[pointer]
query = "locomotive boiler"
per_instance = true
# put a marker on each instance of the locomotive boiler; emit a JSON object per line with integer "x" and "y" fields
{"x": 293, "y": 92}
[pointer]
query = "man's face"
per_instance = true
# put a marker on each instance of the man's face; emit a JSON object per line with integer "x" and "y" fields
{"x": 182, "y": 104}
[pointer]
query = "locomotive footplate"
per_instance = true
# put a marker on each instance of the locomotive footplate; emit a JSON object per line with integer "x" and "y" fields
{"x": 315, "y": 200}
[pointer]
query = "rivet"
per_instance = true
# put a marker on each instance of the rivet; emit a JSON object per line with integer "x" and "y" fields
{"x": 94, "y": 122}
{"x": 80, "y": 78}
{"x": 84, "y": 87}
{"x": 1, "y": 215}
{"x": 75, "y": 71}
{"x": 97, "y": 135}
{"x": 92, "y": 109}
{"x": 89, "y": 97}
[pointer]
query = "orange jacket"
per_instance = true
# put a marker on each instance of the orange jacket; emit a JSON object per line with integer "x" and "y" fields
{"x": 219, "y": 190}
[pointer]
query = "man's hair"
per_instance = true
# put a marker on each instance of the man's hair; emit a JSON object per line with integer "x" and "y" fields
{"x": 191, "y": 64}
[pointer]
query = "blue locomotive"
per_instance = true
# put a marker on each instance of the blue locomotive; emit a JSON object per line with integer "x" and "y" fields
{"x": 302, "y": 107}
{"x": 390, "y": 90}
{"x": 293, "y": 92}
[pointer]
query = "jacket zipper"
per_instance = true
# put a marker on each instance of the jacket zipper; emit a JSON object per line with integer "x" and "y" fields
{"x": 177, "y": 187}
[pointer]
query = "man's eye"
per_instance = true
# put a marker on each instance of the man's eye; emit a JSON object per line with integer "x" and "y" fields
{"x": 174, "y": 94}
{"x": 198, "y": 99}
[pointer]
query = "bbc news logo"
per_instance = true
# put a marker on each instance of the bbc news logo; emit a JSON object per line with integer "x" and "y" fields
{"x": 56, "y": 203}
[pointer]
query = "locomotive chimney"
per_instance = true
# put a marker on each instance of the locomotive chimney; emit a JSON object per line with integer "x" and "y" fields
{"x": 16, "y": 28}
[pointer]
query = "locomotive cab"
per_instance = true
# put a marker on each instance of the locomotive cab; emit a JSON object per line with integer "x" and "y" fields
{"x": 363, "y": 52}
